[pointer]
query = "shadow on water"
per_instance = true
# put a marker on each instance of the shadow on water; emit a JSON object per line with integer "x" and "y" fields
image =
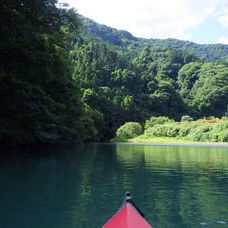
{"x": 82, "y": 186}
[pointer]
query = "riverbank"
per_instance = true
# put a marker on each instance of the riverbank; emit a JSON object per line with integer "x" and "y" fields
{"x": 165, "y": 141}
{"x": 165, "y": 130}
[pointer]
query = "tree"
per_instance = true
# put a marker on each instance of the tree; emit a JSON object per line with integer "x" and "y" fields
{"x": 40, "y": 101}
{"x": 210, "y": 90}
{"x": 129, "y": 130}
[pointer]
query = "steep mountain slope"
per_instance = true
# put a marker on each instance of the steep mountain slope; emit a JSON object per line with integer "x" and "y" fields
{"x": 106, "y": 34}
{"x": 207, "y": 52}
{"x": 121, "y": 39}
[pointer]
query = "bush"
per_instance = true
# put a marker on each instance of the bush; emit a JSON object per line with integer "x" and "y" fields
{"x": 163, "y": 130}
{"x": 129, "y": 130}
{"x": 157, "y": 120}
{"x": 197, "y": 131}
{"x": 186, "y": 128}
{"x": 156, "y": 131}
{"x": 200, "y": 134}
{"x": 223, "y": 137}
{"x": 186, "y": 118}
{"x": 221, "y": 126}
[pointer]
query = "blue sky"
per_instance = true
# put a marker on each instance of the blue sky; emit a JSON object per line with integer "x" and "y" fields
{"x": 200, "y": 21}
{"x": 209, "y": 31}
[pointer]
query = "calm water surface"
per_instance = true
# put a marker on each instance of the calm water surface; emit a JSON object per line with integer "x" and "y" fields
{"x": 83, "y": 186}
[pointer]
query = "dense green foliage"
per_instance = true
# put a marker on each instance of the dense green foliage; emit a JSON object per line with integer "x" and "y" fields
{"x": 106, "y": 34}
{"x": 186, "y": 118}
{"x": 204, "y": 88}
{"x": 211, "y": 130}
{"x": 129, "y": 86}
{"x": 206, "y": 52}
{"x": 59, "y": 85}
{"x": 40, "y": 101}
{"x": 196, "y": 131}
{"x": 122, "y": 39}
{"x": 129, "y": 130}
{"x": 157, "y": 120}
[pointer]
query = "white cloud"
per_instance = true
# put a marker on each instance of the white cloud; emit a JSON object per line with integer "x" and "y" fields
{"x": 223, "y": 20}
{"x": 223, "y": 40}
{"x": 151, "y": 18}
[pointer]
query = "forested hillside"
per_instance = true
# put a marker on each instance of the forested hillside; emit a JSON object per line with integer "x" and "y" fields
{"x": 61, "y": 83}
{"x": 39, "y": 100}
{"x": 206, "y": 52}
{"x": 119, "y": 38}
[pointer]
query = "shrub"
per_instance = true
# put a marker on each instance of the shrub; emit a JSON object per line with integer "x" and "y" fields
{"x": 187, "y": 128}
{"x": 156, "y": 131}
{"x": 173, "y": 130}
{"x": 163, "y": 130}
{"x": 223, "y": 137}
{"x": 186, "y": 118}
{"x": 129, "y": 130}
{"x": 200, "y": 134}
{"x": 157, "y": 120}
{"x": 198, "y": 131}
{"x": 221, "y": 126}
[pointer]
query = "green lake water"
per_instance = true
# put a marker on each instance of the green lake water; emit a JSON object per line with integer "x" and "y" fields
{"x": 83, "y": 186}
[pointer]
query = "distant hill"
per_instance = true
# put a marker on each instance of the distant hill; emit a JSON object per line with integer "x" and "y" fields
{"x": 207, "y": 52}
{"x": 107, "y": 34}
{"x": 121, "y": 39}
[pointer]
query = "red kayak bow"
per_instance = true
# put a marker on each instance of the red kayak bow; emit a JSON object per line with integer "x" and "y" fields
{"x": 129, "y": 216}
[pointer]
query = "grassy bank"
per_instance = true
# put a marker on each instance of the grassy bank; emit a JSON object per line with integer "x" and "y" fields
{"x": 200, "y": 131}
{"x": 145, "y": 139}
{"x": 164, "y": 140}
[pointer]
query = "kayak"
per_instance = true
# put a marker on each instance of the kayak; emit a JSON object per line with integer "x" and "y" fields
{"x": 128, "y": 216}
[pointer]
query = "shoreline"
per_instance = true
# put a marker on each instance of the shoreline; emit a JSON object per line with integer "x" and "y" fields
{"x": 169, "y": 142}
{"x": 176, "y": 144}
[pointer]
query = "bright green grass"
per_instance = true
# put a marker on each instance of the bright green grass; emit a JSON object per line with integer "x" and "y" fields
{"x": 185, "y": 132}
{"x": 144, "y": 139}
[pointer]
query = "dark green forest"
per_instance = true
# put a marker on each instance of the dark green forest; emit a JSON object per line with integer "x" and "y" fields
{"x": 122, "y": 39}
{"x": 65, "y": 78}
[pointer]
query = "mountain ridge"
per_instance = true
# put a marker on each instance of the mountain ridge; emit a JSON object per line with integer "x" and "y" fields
{"x": 123, "y": 38}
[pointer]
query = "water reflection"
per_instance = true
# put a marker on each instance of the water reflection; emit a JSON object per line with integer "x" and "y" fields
{"x": 186, "y": 184}
{"x": 83, "y": 186}
{"x": 173, "y": 156}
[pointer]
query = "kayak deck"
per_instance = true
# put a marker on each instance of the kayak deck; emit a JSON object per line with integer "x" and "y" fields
{"x": 128, "y": 216}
